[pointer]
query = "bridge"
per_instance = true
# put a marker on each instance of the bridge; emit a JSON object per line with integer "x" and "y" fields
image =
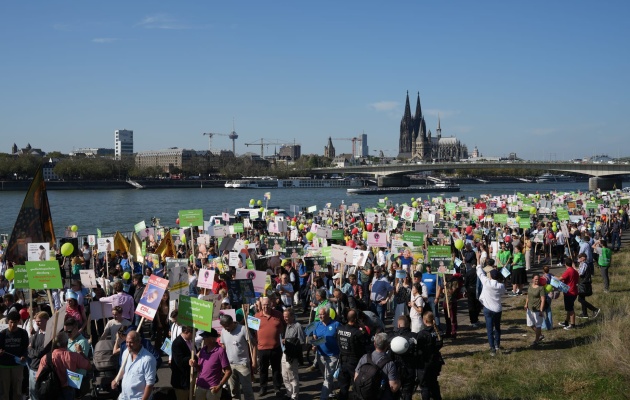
{"x": 603, "y": 176}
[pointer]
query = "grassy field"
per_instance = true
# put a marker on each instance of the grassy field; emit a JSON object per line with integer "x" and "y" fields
{"x": 590, "y": 362}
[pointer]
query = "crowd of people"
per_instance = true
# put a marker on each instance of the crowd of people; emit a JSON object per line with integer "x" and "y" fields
{"x": 373, "y": 330}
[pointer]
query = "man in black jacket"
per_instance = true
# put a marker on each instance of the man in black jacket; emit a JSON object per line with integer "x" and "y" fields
{"x": 180, "y": 369}
{"x": 352, "y": 339}
{"x": 37, "y": 350}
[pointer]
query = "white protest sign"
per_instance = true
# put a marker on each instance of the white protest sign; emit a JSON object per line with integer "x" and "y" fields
{"x": 105, "y": 244}
{"x": 341, "y": 254}
{"x": 205, "y": 279}
{"x": 88, "y": 278}
{"x": 38, "y": 252}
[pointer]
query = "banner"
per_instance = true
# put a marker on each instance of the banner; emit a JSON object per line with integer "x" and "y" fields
{"x": 151, "y": 297}
{"x": 20, "y": 280}
{"x": 257, "y": 278}
{"x": 377, "y": 239}
{"x": 417, "y": 238}
{"x": 441, "y": 259}
{"x": 34, "y": 222}
{"x": 43, "y": 275}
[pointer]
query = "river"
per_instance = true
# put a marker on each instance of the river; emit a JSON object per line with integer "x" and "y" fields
{"x": 120, "y": 209}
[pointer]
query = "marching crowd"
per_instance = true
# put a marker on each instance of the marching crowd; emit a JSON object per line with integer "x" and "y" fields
{"x": 373, "y": 331}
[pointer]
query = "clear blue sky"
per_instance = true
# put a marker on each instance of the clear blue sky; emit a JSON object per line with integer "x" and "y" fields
{"x": 546, "y": 79}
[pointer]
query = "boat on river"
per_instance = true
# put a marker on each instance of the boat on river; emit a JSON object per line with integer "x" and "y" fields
{"x": 545, "y": 178}
{"x": 288, "y": 183}
{"x": 437, "y": 188}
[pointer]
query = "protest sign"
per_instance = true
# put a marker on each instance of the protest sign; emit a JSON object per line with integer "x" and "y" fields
{"x": 359, "y": 257}
{"x": 314, "y": 264}
{"x": 417, "y": 238}
{"x": 257, "y": 278}
{"x": 253, "y": 322}
{"x": 190, "y": 218}
{"x": 38, "y": 252}
{"x": 241, "y": 291}
{"x": 105, "y": 244}
{"x": 205, "y": 279}
{"x": 324, "y": 232}
{"x": 166, "y": 346}
{"x": 195, "y": 312}
{"x": 441, "y": 259}
{"x": 140, "y": 226}
{"x": 151, "y": 297}
{"x": 423, "y": 226}
{"x": 178, "y": 280}
{"x": 88, "y": 278}
{"x": 377, "y": 239}
{"x": 100, "y": 310}
{"x": 20, "y": 280}
{"x": 43, "y": 275}
{"x": 342, "y": 254}
{"x": 74, "y": 379}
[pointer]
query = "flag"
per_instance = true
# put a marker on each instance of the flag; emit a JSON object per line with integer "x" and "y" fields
{"x": 166, "y": 247}
{"x": 135, "y": 249}
{"x": 99, "y": 234}
{"x": 34, "y": 222}
{"x": 120, "y": 242}
{"x": 268, "y": 195}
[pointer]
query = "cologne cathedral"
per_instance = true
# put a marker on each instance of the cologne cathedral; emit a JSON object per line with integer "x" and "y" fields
{"x": 419, "y": 145}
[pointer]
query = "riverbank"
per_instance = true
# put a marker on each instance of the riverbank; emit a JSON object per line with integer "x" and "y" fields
{"x": 22, "y": 185}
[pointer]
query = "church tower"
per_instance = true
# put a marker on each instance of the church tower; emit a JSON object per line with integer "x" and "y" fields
{"x": 406, "y": 130}
{"x": 329, "y": 149}
{"x": 438, "y": 131}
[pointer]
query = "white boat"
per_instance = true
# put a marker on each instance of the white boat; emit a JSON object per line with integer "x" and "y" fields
{"x": 544, "y": 178}
{"x": 273, "y": 183}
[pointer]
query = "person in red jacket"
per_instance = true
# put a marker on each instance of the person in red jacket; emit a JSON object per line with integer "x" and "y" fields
{"x": 571, "y": 277}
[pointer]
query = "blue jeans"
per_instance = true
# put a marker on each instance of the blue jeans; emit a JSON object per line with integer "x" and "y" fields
{"x": 434, "y": 309}
{"x": 616, "y": 240}
{"x": 32, "y": 373}
{"x": 380, "y": 310}
{"x": 547, "y": 323}
{"x": 493, "y": 327}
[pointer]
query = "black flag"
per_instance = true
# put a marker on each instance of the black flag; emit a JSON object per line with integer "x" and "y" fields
{"x": 34, "y": 222}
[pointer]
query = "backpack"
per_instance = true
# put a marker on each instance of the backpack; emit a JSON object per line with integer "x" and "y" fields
{"x": 47, "y": 384}
{"x": 369, "y": 383}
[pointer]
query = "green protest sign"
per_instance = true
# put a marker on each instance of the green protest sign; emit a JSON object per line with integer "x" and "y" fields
{"x": 238, "y": 228}
{"x": 99, "y": 234}
{"x": 144, "y": 248}
{"x": 140, "y": 226}
{"x": 599, "y": 201}
{"x": 20, "y": 280}
{"x": 524, "y": 224}
{"x": 370, "y": 210}
{"x": 249, "y": 263}
{"x": 438, "y": 251}
{"x": 417, "y": 238}
{"x": 194, "y": 312}
{"x": 591, "y": 206}
{"x": 523, "y": 214}
{"x": 43, "y": 275}
{"x": 624, "y": 202}
{"x": 500, "y": 218}
{"x": 326, "y": 253}
{"x": 449, "y": 206}
{"x": 190, "y": 217}
{"x": 337, "y": 234}
{"x": 563, "y": 215}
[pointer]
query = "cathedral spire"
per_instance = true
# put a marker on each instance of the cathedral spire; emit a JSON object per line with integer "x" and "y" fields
{"x": 407, "y": 108}
{"x": 438, "y": 131}
{"x": 418, "y": 115}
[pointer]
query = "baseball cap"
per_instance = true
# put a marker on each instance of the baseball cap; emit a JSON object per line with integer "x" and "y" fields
{"x": 417, "y": 274}
{"x": 337, "y": 276}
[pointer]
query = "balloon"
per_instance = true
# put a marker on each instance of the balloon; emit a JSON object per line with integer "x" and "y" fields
{"x": 554, "y": 228}
{"x": 391, "y": 210}
{"x": 259, "y": 203}
{"x": 355, "y": 231}
{"x": 459, "y": 244}
{"x": 177, "y": 221}
{"x": 126, "y": 275}
{"x": 532, "y": 210}
{"x": 309, "y": 236}
{"x": 385, "y": 199}
{"x": 293, "y": 223}
{"x": 365, "y": 235}
{"x": 554, "y": 223}
{"x": 412, "y": 199}
{"x": 508, "y": 239}
{"x": 301, "y": 226}
{"x": 351, "y": 243}
{"x": 503, "y": 205}
{"x": 67, "y": 249}
{"x": 468, "y": 230}
{"x": 261, "y": 209}
{"x": 10, "y": 274}
{"x": 549, "y": 288}
{"x": 518, "y": 218}
{"x": 414, "y": 204}
{"x": 246, "y": 242}
{"x": 74, "y": 228}
{"x": 353, "y": 220}
{"x": 294, "y": 219}
{"x": 252, "y": 201}
{"x": 310, "y": 221}
{"x": 369, "y": 227}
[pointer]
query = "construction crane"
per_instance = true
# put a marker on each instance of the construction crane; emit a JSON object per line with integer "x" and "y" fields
{"x": 262, "y": 143}
{"x": 233, "y": 136}
{"x": 354, "y": 141}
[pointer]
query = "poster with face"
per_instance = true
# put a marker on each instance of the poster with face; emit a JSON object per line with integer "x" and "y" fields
{"x": 441, "y": 259}
{"x": 256, "y": 277}
{"x": 105, "y": 244}
{"x": 359, "y": 257}
{"x": 151, "y": 297}
{"x": 38, "y": 252}
{"x": 293, "y": 252}
{"x": 277, "y": 243}
{"x": 314, "y": 264}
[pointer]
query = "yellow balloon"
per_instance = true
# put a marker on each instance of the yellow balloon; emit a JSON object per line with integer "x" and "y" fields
{"x": 9, "y": 274}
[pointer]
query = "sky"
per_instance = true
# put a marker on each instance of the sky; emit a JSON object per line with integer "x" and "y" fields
{"x": 547, "y": 80}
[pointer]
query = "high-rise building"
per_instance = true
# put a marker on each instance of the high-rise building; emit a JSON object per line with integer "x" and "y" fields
{"x": 293, "y": 151}
{"x": 363, "y": 150}
{"x": 123, "y": 143}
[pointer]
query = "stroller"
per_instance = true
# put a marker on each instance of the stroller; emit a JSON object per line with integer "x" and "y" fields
{"x": 105, "y": 370}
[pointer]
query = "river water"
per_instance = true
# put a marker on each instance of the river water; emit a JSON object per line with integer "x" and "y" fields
{"x": 111, "y": 210}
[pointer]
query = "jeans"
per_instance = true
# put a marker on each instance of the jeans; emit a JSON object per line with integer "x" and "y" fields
{"x": 547, "y": 324}
{"x": 615, "y": 240}
{"x": 346, "y": 378}
{"x": 32, "y": 373}
{"x": 327, "y": 365}
{"x": 604, "y": 272}
{"x": 270, "y": 357}
{"x": 434, "y": 309}
{"x": 493, "y": 327}
{"x": 474, "y": 306}
{"x": 380, "y": 310}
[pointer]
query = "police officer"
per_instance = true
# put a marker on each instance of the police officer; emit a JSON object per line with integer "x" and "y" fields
{"x": 352, "y": 339}
{"x": 408, "y": 363}
{"x": 429, "y": 344}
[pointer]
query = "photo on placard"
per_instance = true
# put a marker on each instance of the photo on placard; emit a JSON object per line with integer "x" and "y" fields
{"x": 276, "y": 243}
{"x": 441, "y": 236}
{"x": 293, "y": 252}
{"x": 38, "y": 251}
{"x": 442, "y": 265}
{"x": 314, "y": 264}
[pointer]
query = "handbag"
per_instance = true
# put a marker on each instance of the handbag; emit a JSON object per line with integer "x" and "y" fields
{"x": 585, "y": 289}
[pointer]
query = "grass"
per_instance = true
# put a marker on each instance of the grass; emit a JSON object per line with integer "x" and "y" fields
{"x": 590, "y": 362}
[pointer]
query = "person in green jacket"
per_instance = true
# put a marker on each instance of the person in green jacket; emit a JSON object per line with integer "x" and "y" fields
{"x": 519, "y": 276}
{"x": 605, "y": 258}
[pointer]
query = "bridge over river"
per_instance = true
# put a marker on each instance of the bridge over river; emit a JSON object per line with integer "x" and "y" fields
{"x": 602, "y": 176}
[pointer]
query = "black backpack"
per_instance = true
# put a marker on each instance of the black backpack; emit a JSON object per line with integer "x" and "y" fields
{"x": 369, "y": 383}
{"x": 47, "y": 384}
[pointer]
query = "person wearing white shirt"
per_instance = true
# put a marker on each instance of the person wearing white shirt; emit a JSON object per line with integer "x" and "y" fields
{"x": 285, "y": 288}
{"x": 490, "y": 297}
